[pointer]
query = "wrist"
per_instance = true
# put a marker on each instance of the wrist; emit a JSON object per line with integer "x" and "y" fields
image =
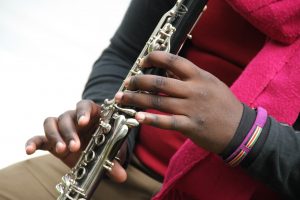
{"x": 247, "y": 119}
{"x": 248, "y": 139}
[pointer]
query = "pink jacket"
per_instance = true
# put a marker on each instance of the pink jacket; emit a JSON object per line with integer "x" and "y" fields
{"x": 271, "y": 80}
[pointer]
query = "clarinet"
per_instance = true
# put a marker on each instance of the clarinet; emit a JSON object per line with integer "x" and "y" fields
{"x": 115, "y": 121}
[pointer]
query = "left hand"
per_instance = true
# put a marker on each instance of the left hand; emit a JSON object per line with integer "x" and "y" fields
{"x": 200, "y": 106}
{"x": 68, "y": 135}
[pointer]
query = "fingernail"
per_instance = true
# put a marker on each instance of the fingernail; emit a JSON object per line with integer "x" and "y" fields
{"x": 81, "y": 119}
{"x": 72, "y": 145}
{"x": 140, "y": 116}
{"x": 59, "y": 147}
{"x": 30, "y": 149}
{"x": 119, "y": 96}
{"x": 142, "y": 62}
{"x": 126, "y": 82}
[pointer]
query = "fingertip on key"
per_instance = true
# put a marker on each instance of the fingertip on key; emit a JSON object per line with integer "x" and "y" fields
{"x": 119, "y": 96}
{"x": 140, "y": 116}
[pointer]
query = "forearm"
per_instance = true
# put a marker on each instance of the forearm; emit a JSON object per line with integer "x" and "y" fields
{"x": 278, "y": 163}
{"x": 275, "y": 157}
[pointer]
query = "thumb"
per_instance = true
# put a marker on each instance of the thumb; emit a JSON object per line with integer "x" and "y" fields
{"x": 118, "y": 173}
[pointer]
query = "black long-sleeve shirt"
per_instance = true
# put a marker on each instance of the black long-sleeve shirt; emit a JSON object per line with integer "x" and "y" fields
{"x": 275, "y": 158}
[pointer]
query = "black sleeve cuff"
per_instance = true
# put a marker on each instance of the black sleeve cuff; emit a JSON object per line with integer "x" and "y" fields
{"x": 247, "y": 120}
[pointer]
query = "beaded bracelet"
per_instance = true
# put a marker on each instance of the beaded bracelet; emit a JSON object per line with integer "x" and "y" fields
{"x": 241, "y": 152}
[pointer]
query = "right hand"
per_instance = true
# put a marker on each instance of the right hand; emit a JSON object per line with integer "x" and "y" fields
{"x": 67, "y": 135}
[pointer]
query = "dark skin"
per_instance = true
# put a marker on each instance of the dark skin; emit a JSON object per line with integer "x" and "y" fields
{"x": 200, "y": 106}
{"x": 67, "y": 135}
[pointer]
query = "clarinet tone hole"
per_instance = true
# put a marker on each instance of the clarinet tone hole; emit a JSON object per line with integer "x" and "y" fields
{"x": 89, "y": 156}
{"x": 100, "y": 139}
{"x": 80, "y": 172}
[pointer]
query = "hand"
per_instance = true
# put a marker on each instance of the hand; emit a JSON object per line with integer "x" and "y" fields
{"x": 200, "y": 105}
{"x": 66, "y": 136}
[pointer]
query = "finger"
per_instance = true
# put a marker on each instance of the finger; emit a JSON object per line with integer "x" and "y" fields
{"x": 35, "y": 143}
{"x": 181, "y": 67}
{"x": 66, "y": 128}
{"x": 53, "y": 136}
{"x": 42, "y": 143}
{"x": 170, "y": 122}
{"x": 171, "y": 75}
{"x": 85, "y": 110}
{"x": 118, "y": 173}
{"x": 145, "y": 101}
{"x": 156, "y": 84}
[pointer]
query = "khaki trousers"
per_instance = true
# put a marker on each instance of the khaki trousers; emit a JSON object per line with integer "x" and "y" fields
{"x": 35, "y": 179}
